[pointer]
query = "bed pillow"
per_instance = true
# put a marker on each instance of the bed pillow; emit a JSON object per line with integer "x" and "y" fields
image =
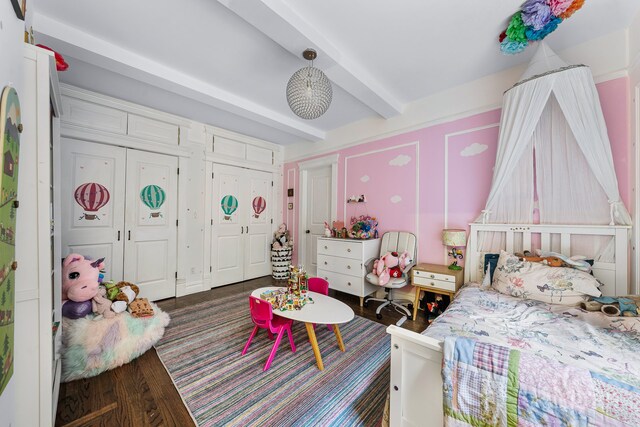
{"x": 530, "y": 280}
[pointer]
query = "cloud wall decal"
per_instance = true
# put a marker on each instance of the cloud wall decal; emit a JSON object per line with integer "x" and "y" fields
{"x": 365, "y": 178}
{"x": 400, "y": 160}
{"x": 473, "y": 149}
{"x": 396, "y": 199}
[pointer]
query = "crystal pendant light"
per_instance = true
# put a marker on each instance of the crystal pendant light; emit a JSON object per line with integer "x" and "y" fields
{"x": 309, "y": 90}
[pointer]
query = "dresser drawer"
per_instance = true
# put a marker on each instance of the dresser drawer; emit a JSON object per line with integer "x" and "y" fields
{"x": 349, "y": 266}
{"x": 435, "y": 276}
{"x": 342, "y": 282}
{"x": 434, "y": 283}
{"x": 340, "y": 248}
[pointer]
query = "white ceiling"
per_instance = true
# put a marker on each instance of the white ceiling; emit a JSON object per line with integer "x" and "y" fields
{"x": 227, "y": 62}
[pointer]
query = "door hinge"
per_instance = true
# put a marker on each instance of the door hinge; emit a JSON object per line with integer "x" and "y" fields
{"x": 176, "y": 222}
{"x": 271, "y": 220}
{"x": 210, "y": 269}
{"x": 178, "y": 135}
{"x": 176, "y": 274}
{"x": 272, "y": 183}
{"x": 178, "y": 170}
{"x": 213, "y": 143}
{"x": 212, "y": 175}
{"x": 211, "y": 221}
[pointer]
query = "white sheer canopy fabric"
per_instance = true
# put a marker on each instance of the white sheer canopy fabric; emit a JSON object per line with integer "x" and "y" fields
{"x": 554, "y": 116}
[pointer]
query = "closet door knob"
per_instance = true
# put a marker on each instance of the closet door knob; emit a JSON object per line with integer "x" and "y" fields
{"x": 308, "y": 231}
{"x": 348, "y": 267}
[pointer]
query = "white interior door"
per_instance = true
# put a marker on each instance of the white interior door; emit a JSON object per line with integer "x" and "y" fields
{"x": 318, "y": 210}
{"x": 229, "y": 211}
{"x": 258, "y": 214}
{"x": 92, "y": 196}
{"x": 151, "y": 228}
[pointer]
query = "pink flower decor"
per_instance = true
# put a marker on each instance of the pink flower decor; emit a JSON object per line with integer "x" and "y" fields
{"x": 536, "y": 14}
{"x": 558, "y": 7}
{"x": 575, "y": 6}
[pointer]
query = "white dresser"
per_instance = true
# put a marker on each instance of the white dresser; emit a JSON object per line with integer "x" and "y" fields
{"x": 342, "y": 263}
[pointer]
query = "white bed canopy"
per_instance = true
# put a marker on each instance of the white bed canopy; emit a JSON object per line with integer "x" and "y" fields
{"x": 554, "y": 147}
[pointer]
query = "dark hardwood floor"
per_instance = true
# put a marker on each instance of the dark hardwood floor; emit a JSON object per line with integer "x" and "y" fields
{"x": 141, "y": 393}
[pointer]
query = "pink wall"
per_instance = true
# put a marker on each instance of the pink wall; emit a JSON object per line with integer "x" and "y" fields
{"x": 439, "y": 176}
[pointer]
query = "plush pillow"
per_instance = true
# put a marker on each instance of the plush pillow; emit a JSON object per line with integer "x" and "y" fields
{"x": 530, "y": 280}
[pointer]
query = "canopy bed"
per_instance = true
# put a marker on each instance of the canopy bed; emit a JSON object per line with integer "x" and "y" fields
{"x": 552, "y": 130}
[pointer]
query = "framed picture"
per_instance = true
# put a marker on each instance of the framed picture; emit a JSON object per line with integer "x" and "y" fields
{"x": 290, "y": 192}
{"x": 20, "y": 7}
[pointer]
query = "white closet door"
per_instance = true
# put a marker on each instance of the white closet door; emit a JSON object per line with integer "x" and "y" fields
{"x": 92, "y": 199}
{"x": 229, "y": 211}
{"x": 258, "y": 214}
{"x": 150, "y": 223}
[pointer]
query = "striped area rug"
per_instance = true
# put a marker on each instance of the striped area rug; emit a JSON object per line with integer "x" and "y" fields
{"x": 201, "y": 350}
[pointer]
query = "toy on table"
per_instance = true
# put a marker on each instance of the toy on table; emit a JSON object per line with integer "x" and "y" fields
{"x": 294, "y": 296}
{"x": 81, "y": 278}
{"x": 391, "y": 265}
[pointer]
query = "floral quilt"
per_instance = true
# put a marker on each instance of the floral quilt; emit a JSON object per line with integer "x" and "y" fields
{"x": 609, "y": 346}
{"x": 492, "y": 385}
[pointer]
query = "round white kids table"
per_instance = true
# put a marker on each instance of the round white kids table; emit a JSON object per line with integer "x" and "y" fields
{"x": 324, "y": 310}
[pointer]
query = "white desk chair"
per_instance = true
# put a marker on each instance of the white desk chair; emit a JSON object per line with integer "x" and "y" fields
{"x": 394, "y": 241}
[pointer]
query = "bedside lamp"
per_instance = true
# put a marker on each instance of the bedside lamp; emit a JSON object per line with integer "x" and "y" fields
{"x": 454, "y": 239}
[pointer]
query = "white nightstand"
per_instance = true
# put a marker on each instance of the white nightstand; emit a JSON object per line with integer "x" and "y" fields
{"x": 437, "y": 279}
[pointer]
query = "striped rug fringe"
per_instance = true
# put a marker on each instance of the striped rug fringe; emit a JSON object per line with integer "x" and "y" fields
{"x": 201, "y": 350}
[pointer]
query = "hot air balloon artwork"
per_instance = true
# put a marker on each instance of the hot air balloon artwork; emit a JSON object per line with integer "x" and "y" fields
{"x": 259, "y": 204}
{"x": 91, "y": 196}
{"x": 153, "y": 196}
{"x": 229, "y": 204}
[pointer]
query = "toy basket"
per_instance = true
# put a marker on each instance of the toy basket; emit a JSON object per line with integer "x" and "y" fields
{"x": 280, "y": 262}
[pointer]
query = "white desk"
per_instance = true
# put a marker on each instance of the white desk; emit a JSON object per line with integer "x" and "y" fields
{"x": 324, "y": 310}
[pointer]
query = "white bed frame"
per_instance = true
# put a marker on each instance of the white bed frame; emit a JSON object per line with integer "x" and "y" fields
{"x": 416, "y": 360}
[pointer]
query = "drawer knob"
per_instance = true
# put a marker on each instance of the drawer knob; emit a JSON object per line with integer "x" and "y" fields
{"x": 326, "y": 278}
{"x": 325, "y": 263}
{"x": 326, "y": 247}
{"x": 348, "y": 249}
{"x": 432, "y": 276}
{"x": 432, "y": 284}
{"x": 349, "y": 283}
{"x": 348, "y": 267}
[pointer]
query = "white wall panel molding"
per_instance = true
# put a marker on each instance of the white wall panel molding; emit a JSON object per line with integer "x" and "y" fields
{"x": 92, "y": 135}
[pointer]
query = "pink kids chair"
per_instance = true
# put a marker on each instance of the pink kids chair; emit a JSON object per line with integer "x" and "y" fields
{"x": 321, "y": 286}
{"x": 263, "y": 318}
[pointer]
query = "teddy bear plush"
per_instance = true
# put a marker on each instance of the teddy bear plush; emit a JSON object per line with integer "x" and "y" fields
{"x": 101, "y": 305}
{"x": 121, "y": 295}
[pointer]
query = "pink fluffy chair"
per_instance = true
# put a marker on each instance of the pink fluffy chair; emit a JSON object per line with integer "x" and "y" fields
{"x": 263, "y": 318}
